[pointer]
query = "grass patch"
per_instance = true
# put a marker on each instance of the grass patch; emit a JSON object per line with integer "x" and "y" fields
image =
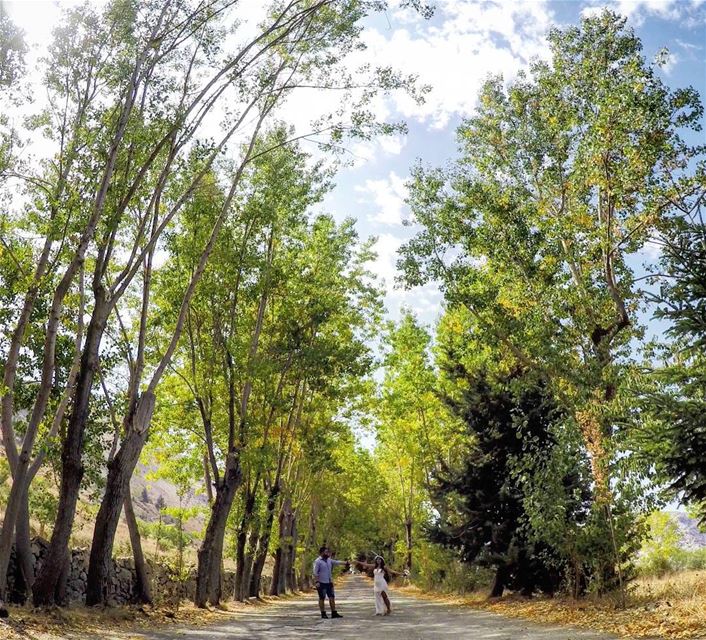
{"x": 673, "y": 606}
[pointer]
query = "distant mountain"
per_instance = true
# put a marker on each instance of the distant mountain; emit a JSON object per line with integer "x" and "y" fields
{"x": 154, "y": 490}
{"x": 692, "y": 537}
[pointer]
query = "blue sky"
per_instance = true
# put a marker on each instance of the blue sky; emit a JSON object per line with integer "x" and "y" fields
{"x": 454, "y": 53}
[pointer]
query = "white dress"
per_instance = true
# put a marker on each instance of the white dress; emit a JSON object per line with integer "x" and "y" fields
{"x": 379, "y": 585}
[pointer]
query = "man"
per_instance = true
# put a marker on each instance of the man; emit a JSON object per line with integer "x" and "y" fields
{"x": 323, "y": 579}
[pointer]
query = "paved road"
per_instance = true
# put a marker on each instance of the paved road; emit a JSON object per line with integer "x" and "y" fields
{"x": 411, "y": 619}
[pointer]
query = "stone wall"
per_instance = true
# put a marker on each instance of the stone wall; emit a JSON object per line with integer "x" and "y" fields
{"x": 165, "y": 586}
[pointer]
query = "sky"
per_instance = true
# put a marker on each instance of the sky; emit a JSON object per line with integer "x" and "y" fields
{"x": 454, "y": 53}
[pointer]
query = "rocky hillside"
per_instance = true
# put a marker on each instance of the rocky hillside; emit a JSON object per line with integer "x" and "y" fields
{"x": 692, "y": 536}
{"x": 148, "y": 494}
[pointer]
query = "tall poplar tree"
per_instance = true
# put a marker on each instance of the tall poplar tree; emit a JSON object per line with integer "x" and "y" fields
{"x": 562, "y": 175}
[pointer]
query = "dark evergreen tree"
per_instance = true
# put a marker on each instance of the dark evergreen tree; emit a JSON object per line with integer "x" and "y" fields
{"x": 506, "y": 420}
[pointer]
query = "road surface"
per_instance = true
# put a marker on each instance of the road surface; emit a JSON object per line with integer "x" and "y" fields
{"x": 411, "y": 619}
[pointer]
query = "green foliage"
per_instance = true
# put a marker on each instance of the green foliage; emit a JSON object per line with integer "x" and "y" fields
{"x": 510, "y": 421}
{"x": 43, "y": 503}
{"x": 674, "y": 437}
{"x": 663, "y": 551}
{"x": 413, "y": 429}
{"x": 663, "y": 545}
{"x": 5, "y": 477}
{"x": 12, "y": 51}
{"x": 508, "y": 434}
{"x": 439, "y": 569}
{"x": 563, "y": 174}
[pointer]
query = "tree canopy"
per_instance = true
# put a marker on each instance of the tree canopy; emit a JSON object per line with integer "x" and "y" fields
{"x": 180, "y": 304}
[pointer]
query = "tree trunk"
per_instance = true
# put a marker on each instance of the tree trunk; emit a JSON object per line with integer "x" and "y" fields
{"x": 23, "y": 551}
{"x": 278, "y": 583}
{"x": 207, "y": 479}
{"x": 274, "y": 585}
{"x": 409, "y": 540}
{"x": 264, "y": 542}
{"x": 250, "y": 559}
{"x": 291, "y": 553}
{"x": 117, "y": 488}
{"x": 143, "y": 592}
{"x": 499, "y": 582}
{"x": 47, "y": 585}
{"x": 12, "y": 511}
{"x": 305, "y": 578}
{"x": 241, "y": 581}
{"x": 210, "y": 554}
{"x": 16, "y": 503}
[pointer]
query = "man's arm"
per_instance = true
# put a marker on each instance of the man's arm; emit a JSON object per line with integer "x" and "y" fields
{"x": 316, "y": 571}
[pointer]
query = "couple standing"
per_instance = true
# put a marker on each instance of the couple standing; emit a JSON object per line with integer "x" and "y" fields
{"x": 323, "y": 578}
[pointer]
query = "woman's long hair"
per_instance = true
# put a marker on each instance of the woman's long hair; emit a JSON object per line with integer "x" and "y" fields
{"x": 380, "y": 564}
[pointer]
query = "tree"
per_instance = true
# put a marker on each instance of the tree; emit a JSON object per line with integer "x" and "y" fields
{"x": 562, "y": 175}
{"x": 664, "y": 545}
{"x": 675, "y": 435}
{"x": 271, "y": 332}
{"x": 143, "y": 86}
{"x": 413, "y": 429}
{"x": 12, "y": 49}
{"x": 510, "y": 420}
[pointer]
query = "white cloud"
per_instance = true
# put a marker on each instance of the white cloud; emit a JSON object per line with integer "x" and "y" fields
{"x": 638, "y": 10}
{"x": 455, "y": 52}
{"x": 365, "y": 152}
{"x": 392, "y": 145}
{"x": 688, "y": 46}
{"x": 652, "y": 249}
{"x": 424, "y": 301}
{"x": 385, "y": 264}
{"x": 388, "y": 195}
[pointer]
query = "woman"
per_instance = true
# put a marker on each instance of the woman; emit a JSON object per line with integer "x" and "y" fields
{"x": 381, "y": 574}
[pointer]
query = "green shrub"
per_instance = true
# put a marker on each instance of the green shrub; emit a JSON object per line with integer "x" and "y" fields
{"x": 663, "y": 552}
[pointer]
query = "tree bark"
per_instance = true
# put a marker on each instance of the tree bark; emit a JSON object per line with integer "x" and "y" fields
{"x": 210, "y": 554}
{"x": 117, "y": 488}
{"x": 23, "y": 550}
{"x": 291, "y": 578}
{"x": 47, "y": 585}
{"x": 409, "y": 540}
{"x": 284, "y": 556}
{"x": 264, "y": 542}
{"x": 305, "y": 577}
{"x": 277, "y": 586}
{"x": 18, "y": 491}
{"x": 143, "y": 593}
{"x": 250, "y": 558}
{"x": 240, "y": 556}
{"x": 499, "y": 582}
{"x": 207, "y": 479}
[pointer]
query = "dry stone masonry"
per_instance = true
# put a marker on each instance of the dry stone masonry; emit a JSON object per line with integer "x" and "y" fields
{"x": 165, "y": 585}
